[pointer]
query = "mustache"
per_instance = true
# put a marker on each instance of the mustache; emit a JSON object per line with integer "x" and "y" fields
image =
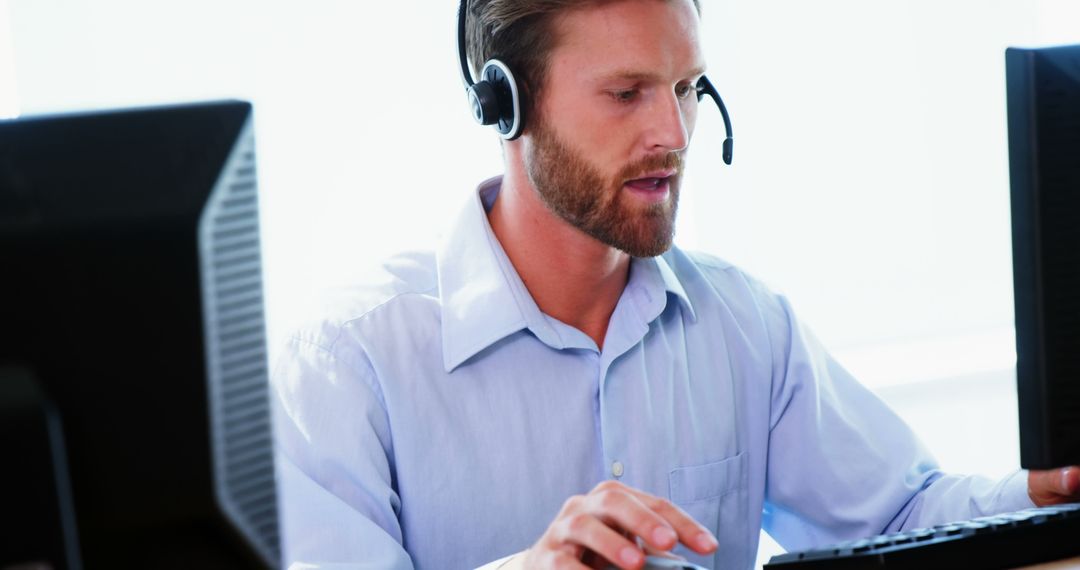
{"x": 667, "y": 161}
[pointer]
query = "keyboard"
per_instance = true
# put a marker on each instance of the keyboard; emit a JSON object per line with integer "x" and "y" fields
{"x": 1009, "y": 540}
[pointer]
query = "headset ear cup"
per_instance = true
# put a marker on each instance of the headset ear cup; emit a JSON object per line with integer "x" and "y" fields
{"x": 484, "y": 103}
{"x": 510, "y": 122}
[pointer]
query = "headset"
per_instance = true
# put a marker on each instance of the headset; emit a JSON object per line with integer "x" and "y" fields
{"x": 496, "y": 98}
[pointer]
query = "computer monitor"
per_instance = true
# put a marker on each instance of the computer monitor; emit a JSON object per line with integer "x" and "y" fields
{"x": 134, "y": 413}
{"x": 1044, "y": 162}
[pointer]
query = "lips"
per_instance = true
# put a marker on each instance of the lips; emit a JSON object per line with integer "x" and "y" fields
{"x": 646, "y": 183}
{"x": 652, "y": 181}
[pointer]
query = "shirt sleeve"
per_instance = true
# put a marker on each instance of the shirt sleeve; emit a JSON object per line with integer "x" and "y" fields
{"x": 334, "y": 457}
{"x": 842, "y": 465}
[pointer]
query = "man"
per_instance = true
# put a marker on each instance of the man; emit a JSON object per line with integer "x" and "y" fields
{"x": 558, "y": 381}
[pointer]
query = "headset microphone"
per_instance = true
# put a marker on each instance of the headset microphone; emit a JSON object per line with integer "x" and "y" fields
{"x": 705, "y": 87}
{"x": 496, "y": 98}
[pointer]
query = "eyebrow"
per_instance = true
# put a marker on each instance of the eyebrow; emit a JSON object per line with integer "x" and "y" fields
{"x": 634, "y": 75}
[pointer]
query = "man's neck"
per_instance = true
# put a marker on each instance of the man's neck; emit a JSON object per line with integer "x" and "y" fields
{"x": 570, "y": 275}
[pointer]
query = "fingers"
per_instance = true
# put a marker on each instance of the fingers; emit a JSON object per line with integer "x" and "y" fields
{"x": 650, "y": 551}
{"x": 1070, "y": 481}
{"x": 689, "y": 532}
{"x": 554, "y": 559}
{"x": 587, "y": 530}
{"x": 660, "y": 524}
{"x": 1039, "y": 487}
{"x": 1054, "y": 486}
{"x": 616, "y": 523}
{"x": 621, "y": 508}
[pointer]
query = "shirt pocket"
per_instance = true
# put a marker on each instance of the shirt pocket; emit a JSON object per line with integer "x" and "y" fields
{"x": 715, "y": 495}
{"x": 704, "y": 482}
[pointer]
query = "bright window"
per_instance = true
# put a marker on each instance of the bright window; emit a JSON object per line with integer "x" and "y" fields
{"x": 9, "y": 102}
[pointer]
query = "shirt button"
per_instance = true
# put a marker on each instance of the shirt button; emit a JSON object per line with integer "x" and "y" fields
{"x": 617, "y": 469}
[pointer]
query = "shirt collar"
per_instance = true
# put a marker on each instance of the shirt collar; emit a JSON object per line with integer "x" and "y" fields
{"x": 484, "y": 300}
{"x": 671, "y": 282}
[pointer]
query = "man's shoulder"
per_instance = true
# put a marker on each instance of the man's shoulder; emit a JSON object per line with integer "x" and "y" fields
{"x": 722, "y": 293}
{"x": 706, "y": 261}
{"x": 694, "y": 267}
{"x": 403, "y": 290}
{"x": 709, "y": 279}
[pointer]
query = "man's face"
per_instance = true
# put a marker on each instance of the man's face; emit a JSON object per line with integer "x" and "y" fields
{"x": 605, "y": 149}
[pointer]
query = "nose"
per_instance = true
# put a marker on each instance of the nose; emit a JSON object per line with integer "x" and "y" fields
{"x": 668, "y": 124}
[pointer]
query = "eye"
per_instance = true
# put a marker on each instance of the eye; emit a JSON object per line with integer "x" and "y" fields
{"x": 685, "y": 90}
{"x": 624, "y": 95}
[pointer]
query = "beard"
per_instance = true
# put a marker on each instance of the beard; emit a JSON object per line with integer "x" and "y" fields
{"x": 575, "y": 190}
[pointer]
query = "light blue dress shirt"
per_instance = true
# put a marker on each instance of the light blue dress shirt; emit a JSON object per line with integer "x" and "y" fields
{"x": 438, "y": 419}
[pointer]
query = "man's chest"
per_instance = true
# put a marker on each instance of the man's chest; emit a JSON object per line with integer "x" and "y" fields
{"x": 527, "y": 414}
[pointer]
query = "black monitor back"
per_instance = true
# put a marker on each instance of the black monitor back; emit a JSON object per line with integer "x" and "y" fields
{"x": 1044, "y": 163}
{"x": 132, "y": 349}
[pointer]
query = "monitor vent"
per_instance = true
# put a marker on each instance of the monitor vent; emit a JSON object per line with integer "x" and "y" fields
{"x": 236, "y": 353}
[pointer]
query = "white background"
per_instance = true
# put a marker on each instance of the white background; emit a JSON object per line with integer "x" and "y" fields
{"x": 870, "y": 182}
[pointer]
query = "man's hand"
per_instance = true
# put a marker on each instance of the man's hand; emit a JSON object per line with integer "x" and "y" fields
{"x": 1054, "y": 486}
{"x": 607, "y": 525}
